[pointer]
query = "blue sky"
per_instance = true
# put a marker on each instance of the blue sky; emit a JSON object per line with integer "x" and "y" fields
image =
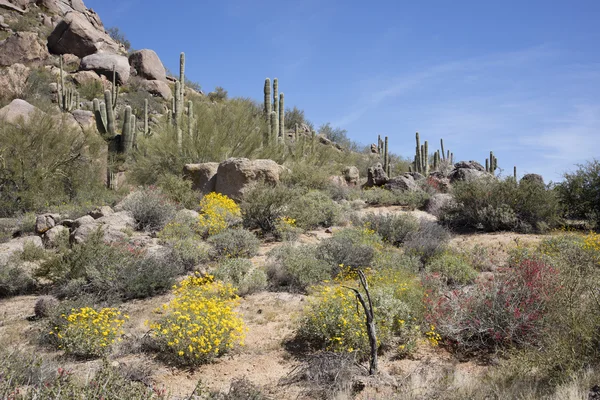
{"x": 521, "y": 78}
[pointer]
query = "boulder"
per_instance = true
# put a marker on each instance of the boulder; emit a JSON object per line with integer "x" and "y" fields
{"x": 13, "y": 80}
{"x": 185, "y": 214}
{"x": 18, "y": 109}
{"x": 439, "y": 182}
{"x": 351, "y": 175}
{"x": 5, "y": 4}
{"x": 113, "y": 227}
{"x": 148, "y": 65}
{"x": 401, "y": 183}
{"x": 16, "y": 245}
{"x": 374, "y": 149}
{"x": 337, "y": 180}
{"x": 84, "y": 118}
{"x": 469, "y": 165}
{"x": 85, "y": 220}
{"x": 236, "y": 174}
{"x": 439, "y": 201}
{"x": 203, "y": 176}
{"x": 53, "y": 236}
{"x": 118, "y": 220}
{"x": 466, "y": 175}
{"x": 100, "y": 212}
{"x": 533, "y": 178}
{"x": 102, "y": 63}
{"x": 157, "y": 88}
{"x": 85, "y": 77}
{"x": 45, "y": 222}
{"x": 376, "y": 176}
{"x": 62, "y": 6}
{"x": 75, "y": 34}
{"x": 22, "y": 47}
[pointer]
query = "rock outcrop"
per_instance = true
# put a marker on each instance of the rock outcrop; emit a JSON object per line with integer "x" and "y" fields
{"x": 203, "y": 176}
{"x": 103, "y": 63}
{"x": 18, "y": 110}
{"x": 147, "y": 65}
{"x": 235, "y": 175}
{"x": 75, "y": 34}
{"x": 22, "y": 47}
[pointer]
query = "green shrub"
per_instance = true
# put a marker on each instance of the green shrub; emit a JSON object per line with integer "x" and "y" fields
{"x": 579, "y": 193}
{"x": 264, "y": 205}
{"x": 190, "y": 253}
{"x": 382, "y": 197}
{"x": 393, "y": 228}
{"x": 453, "y": 267}
{"x": 150, "y": 208}
{"x": 242, "y": 275}
{"x": 110, "y": 272}
{"x": 14, "y": 280}
{"x": 295, "y": 268}
{"x": 395, "y": 259}
{"x": 351, "y": 247}
{"x": 495, "y": 204}
{"x": 305, "y": 175}
{"x": 235, "y": 243}
{"x": 179, "y": 191}
{"x": 91, "y": 90}
{"x": 429, "y": 240}
{"x": 314, "y": 209}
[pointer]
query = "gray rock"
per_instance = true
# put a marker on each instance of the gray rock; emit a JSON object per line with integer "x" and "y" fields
{"x": 351, "y": 175}
{"x": 22, "y": 47}
{"x": 469, "y": 165}
{"x": 438, "y": 202}
{"x": 75, "y": 34}
{"x": 118, "y": 220}
{"x": 157, "y": 88}
{"x": 53, "y": 236}
{"x": 401, "y": 183}
{"x": 466, "y": 175}
{"x": 13, "y": 80}
{"x": 203, "y": 176}
{"x": 376, "y": 176}
{"x": 185, "y": 214}
{"x": 85, "y": 220}
{"x": 8, "y": 249}
{"x": 18, "y": 110}
{"x": 45, "y": 222}
{"x": 148, "y": 65}
{"x": 84, "y": 118}
{"x": 101, "y": 212}
{"x": 533, "y": 178}
{"x": 235, "y": 175}
{"x": 102, "y": 63}
{"x": 8, "y": 6}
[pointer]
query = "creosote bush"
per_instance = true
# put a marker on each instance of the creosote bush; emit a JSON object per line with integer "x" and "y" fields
{"x": 314, "y": 209}
{"x": 14, "y": 280}
{"x": 453, "y": 267}
{"x": 150, "y": 208}
{"x": 199, "y": 324}
{"x": 350, "y": 246}
{"x": 240, "y": 273}
{"x": 264, "y": 206}
{"x": 393, "y": 228}
{"x": 382, "y": 197}
{"x": 295, "y": 268}
{"x": 234, "y": 243}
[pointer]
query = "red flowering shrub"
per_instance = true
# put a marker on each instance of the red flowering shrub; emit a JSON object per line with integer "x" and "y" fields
{"x": 508, "y": 310}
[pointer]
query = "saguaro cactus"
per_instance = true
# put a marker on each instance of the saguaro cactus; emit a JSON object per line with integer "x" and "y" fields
{"x": 105, "y": 122}
{"x": 281, "y": 116}
{"x": 385, "y": 155}
{"x": 273, "y": 127}
{"x": 68, "y": 98}
{"x": 268, "y": 106}
{"x": 276, "y": 104}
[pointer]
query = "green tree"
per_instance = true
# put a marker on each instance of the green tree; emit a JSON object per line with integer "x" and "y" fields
{"x": 296, "y": 116}
{"x": 580, "y": 192}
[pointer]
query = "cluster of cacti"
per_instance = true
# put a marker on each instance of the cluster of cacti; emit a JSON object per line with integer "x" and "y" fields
{"x": 68, "y": 98}
{"x": 178, "y": 103}
{"x": 105, "y": 122}
{"x": 491, "y": 164}
{"x": 421, "y": 162}
{"x": 147, "y": 131}
{"x": 382, "y": 150}
{"x": 275, "y": 111}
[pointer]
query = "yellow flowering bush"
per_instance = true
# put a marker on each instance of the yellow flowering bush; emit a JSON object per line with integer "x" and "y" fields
{"x": 86, "y": 332}
{"x": 591, "y": 244}
{"x": 218, "y": 213}
{"x": 286, "y": 229}
{"x": 333, "y": 320}
{"x": 199, "y": 323}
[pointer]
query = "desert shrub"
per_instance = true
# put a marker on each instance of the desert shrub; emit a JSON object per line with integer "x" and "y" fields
{"x": 91, "y": 90}
{"x": 351, "y": 247}
{"x": 14, "y": 280}
{"x": 183, "y": 226}
{"x": 111, "y": 272}
{"x": 340, "y": 192}
{"x": 579, "y": 193}
{"x": 314, "y": 209}
{"x": 118, "y": 36}
{"x": 286, "y": 229}
{"x": 31, "y": 252}
{"x": 235, "y": 243}
{"x": 332, "y": 322}
{"x": 45, "y": 306}
{"x": 429, "y": 240}
{"x": 304, "y": 175}
{"x": 150, "y": 208}
{"x": 264, "y": 205}
{"x": 393, "y": 228}
{"x": 395, "y": 259}
{"x": 295, "y": 268}
{"x": 66, "y": 173}
{"x": 218, "y": 212}
{"x": 89, "y": 333}
{"x": 179, "y": 191}
{"x": 187, "y": 247}
{"x": 453, "y": 267}
{"x": 240, "y": 273}
{"x": 199, "y": 323}
{"x": 509, "y": 310}
{"x": 494, "y": 204}
{"x": 382, "y": 197}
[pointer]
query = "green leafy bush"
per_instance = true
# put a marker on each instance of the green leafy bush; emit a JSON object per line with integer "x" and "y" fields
{"x": 453, "y": 267}
{"x": 393, "y": 228}
{"x": 235, "y": 243}
{"x": 14, "y": 280}
{"x": 179, "y": 191}
{"x": 351, "y": 247}
{"x": 150, "y": 208}
{"x": 242, "y": 275}
{"x": 264, "y": 205}
{"x": 382, "y": 197}
{"x": 295, "y": 268}
{"x": 314, "y": 209}
{"x": 579, "y": 193}
{"x": 495, "y": 204}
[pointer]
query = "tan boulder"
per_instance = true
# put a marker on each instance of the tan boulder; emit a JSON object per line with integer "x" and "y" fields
{"x": 235, "y": 175}
{"x": 13, "y": 80}
{"x": 157, "y": 88}
{"x": 148, "y": 65}
{"x": 203, "y": 176}
{"x": 18, "y": 109}
{"x": 22, "y": 47}
{"x": 75, "y": 34}
{"x": 103, "y": 63}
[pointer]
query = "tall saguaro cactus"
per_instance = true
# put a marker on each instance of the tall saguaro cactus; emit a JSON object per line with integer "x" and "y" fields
{"x": 105, "y": 122}
{"x": 267, "y": 107}
{"x": 68, "y": 98}
{"x": 281, "y": 116}
{"x": 276, "y": 104}
{"x": 491, "y": 164}
{"x": 386, "y": 159}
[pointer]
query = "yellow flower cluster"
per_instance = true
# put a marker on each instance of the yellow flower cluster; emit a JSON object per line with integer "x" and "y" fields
{"x": 591, "y": 243}
{"x": 87, "y": 332}
{"x": 432, "y": 336}
{"x": 218, "y": 213}
{"x": 200, "y": 323}
{"x": 288, "y": 221}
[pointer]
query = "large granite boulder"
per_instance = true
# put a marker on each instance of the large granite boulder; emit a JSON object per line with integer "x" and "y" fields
{"x": 13, "y": 80}
{"x": 8, "y": 249}
{"x": 376, "y": 176}
{"x": 75, "y": 34}
{"x": 22, "y": 47}
{"x": 203, "y": 176}
{"x": 401, "y": 183}
{"x": 235, "y": 175}
{"x": 18, "y": 110}
{"x": 62, "y": 7}
{"x": 351, "y": 175}
{"x": 148, "y": 65}
{"x": 158, "y": 88}
{"x": 103, "y": 63}
{"x": 467, "y": 171}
